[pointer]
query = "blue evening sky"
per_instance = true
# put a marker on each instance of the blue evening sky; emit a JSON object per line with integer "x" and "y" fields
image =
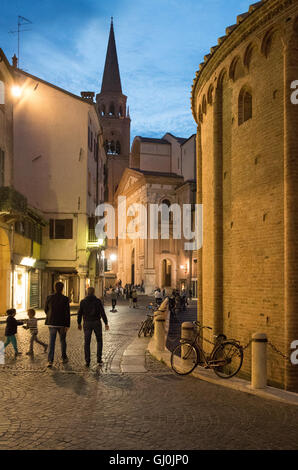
{"x": 160, "y": 44}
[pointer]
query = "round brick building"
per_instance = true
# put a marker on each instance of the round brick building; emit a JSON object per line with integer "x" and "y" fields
{"x": 243, "y": 101}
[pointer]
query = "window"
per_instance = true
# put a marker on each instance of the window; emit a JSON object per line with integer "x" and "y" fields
{"x": 2, "y": 92}
{"x": 112, "y": 109}
{"x": 244, "y": 106}
{"x": 29, "y": 229}
{"x": 61, "y": 229}
{"x": 111, "y": 148}
{"x": 2, "y": 158}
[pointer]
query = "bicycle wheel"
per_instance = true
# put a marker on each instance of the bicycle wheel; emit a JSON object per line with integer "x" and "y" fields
{"x": 184, "y": 359}
{"x": 141, "y": 329}
{"x": 146, "y": 328}
{"x": 229, "y": 356}
{"x": 151, "y": 329}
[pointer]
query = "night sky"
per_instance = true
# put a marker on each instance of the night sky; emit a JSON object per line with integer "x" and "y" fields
{"x": 160, "y": 44}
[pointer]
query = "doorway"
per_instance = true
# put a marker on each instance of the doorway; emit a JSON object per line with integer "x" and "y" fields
{"x": 166, "y": 273}
{"x": 133, "y": 267}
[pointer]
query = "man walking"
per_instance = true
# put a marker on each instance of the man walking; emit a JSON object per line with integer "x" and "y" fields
{"x": 92, "y": 311}
{"x": 58, "y": 320}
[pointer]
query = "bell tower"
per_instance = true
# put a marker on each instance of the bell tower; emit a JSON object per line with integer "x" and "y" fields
{"x": 114, "y": 118}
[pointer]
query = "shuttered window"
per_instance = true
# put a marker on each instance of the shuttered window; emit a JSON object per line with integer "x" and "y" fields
{"x": 34, "y": 290}
{"x": 61, "y": 229}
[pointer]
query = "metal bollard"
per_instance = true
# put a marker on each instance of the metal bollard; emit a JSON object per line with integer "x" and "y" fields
{"x": 159, "y": 333}
{"x": 259, "y": 361}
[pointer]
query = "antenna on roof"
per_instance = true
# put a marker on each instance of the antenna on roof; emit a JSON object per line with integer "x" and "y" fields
{"x": 21, "y": 22}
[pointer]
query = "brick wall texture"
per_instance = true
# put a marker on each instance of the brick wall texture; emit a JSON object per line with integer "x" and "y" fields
{"x": 247, "y": 182}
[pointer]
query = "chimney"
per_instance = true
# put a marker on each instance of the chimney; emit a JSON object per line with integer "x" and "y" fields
{"x": 15, "y": 62}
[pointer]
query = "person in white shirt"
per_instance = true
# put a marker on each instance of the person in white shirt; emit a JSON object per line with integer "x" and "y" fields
{"x": 31, "y": 324}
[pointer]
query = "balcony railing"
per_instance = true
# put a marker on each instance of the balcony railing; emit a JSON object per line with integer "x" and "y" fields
{"x": 12, "y": 201}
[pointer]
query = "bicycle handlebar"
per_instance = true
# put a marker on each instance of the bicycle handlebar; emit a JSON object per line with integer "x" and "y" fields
{"x": 197, "y": 323}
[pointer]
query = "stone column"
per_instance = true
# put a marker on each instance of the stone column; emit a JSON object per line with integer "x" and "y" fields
{"x": 82, "y": 277}
{"x": 290, "y": 203}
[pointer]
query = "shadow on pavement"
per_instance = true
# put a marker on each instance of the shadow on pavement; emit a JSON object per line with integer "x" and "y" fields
{"x": 76, "y": 382}
{"x": 174, "y": 333}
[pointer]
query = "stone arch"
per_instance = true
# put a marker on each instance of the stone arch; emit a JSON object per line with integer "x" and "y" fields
{"x": 210, "y": 94}
{"x": 204, "y": 105}
{"x": 236, "y": 69}
{"x": 200, "y": 113}
{"x": 5, "y": 259}
{"x": 120, "y": 111}
{"x": 248, "y": 54}
{"x": 221, "y": 78}
{"x": 245, "y": 104}
{"x": 267, "y": 40}
{"x": 112, "y": 109}
{"x": 166, "y": 273}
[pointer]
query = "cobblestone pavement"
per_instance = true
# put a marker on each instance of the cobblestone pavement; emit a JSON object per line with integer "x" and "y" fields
{"x": 69, "y": 407}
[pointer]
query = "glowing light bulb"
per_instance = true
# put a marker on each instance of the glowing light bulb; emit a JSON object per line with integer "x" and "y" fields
{"x": 16, "y": 91}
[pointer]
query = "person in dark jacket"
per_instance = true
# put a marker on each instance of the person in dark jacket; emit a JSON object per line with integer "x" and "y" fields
{"x": 58, "y": 320}
{"x": 92, "y": 312}
{"x": 11, "y": 330}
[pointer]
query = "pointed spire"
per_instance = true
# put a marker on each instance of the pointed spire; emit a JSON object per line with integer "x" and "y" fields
{"x": 111, "y": 77}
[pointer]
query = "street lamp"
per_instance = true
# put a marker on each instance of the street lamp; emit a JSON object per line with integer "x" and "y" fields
{"x": 16, "y": 91}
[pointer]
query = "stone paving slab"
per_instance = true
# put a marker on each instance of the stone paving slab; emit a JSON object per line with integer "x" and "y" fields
{"x": 234, "y": 383}
{"x": 71, "y": 407}
{"x": 133, "y": 359}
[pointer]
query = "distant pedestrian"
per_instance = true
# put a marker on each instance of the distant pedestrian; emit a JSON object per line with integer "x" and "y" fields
{"x": 172, "y": 304}
{"x": 134, "y": 298}
{"x": 58, "y": 320}
{"x": 158, "y": 297}
{"x": 130, "y": 298}
{"x": 31, "y": 324}
{"x": 114, "y": 299}
{"x": 11, "y": 330}
{"x": 92, "y": 312}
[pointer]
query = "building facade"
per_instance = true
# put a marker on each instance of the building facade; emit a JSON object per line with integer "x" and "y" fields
{"x": 247, "y": 145}
{"x": 158, "y": 175}
{"x": 20, "y": 225}
{"x": 59, "y": 167}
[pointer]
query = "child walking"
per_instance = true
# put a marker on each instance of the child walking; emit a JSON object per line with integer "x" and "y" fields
{"x": 11, "y": 330}
{"x": 31, "y": 324}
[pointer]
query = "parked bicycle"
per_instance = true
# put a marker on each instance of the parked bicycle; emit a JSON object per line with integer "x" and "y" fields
{"x": 147, "y": 326}
{"x": 225, "y": 359}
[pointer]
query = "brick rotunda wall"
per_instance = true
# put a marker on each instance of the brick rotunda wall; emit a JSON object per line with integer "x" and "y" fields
{"x": 246, "y": 273}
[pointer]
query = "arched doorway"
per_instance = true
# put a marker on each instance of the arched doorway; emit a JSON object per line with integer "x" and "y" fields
{"x": 133, "y": 267}
{"x": 4, "y": 271}
{"x": 166, "y": 273}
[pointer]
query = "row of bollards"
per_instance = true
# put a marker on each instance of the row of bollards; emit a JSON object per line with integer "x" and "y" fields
{"x": 259, "y": 346}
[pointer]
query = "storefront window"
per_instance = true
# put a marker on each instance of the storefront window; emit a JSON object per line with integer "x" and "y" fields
{"x": 20, "y": 288}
